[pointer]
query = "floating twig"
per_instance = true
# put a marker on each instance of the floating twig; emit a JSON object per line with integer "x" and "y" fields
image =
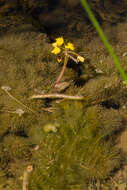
{"x": 56, "y": 96}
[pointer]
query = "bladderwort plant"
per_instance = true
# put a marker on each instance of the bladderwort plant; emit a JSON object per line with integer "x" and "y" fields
{"x": 66, "y": 51}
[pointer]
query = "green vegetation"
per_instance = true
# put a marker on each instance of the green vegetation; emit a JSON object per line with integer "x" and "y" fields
{"x": 78, "y": 152}
{"x": 71, "y": 148}
{"x": 104, "y": 39}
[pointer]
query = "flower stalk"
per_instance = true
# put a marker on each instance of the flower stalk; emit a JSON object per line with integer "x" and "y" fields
{"x": 63, "y": 69}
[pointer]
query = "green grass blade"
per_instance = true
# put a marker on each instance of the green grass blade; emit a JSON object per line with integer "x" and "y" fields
{"x": 104, "y": 39}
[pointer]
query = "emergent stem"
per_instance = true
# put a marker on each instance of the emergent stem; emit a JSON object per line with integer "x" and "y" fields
{"x": 63, "y": 68}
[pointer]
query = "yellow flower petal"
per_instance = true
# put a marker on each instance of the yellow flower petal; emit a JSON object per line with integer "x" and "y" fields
{"x": 59, "y": 60}
{"x": 69, "y": 46}
{"x": 54, "y": 44}
{"x": 56, "y": 50}
{"x": 80, "y": 58}
{"x": 59, "y": 41}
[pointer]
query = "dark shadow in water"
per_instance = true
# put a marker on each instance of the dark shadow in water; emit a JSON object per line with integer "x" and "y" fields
{"x": 110, "y": 104}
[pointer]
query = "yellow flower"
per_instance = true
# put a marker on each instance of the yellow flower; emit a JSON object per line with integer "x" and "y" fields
{"x": 69, "y": 46}
{"x": 80, "y": 58}
{"x": 59, "y": 60}
{"x": 59, "y": 41}
{"x": 56, "y": 50}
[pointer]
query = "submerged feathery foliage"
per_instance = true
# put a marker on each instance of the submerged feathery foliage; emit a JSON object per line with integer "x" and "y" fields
{"x": 68, "y": 148}
{"x": 76, "y": 153}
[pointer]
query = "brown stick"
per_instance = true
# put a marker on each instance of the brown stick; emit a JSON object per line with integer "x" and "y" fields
{"x": 59, "y": 96}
